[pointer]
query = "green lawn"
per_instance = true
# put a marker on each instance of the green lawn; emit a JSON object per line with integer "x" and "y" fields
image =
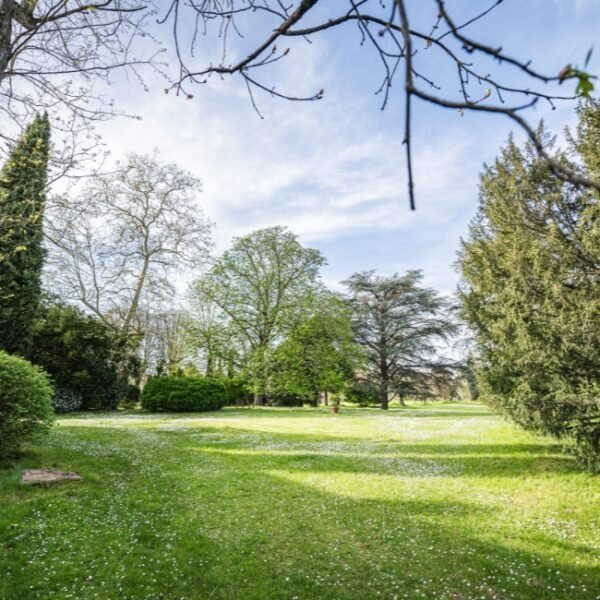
{"x": 442, "y": 501}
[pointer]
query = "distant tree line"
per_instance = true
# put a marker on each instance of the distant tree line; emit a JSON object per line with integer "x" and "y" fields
{"x": 259, "y": 316}
{"x": 258, "y": 321}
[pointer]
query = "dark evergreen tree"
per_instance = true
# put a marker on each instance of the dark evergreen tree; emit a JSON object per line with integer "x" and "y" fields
{"x": 400, "y": 325}
{"x": 82, "y": 355}
{"x": 22, "y": 197}
{"x": 531, "y": 291}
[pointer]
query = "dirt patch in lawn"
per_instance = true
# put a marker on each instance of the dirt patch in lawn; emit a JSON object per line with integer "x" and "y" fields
{"x": 32, "y": 476}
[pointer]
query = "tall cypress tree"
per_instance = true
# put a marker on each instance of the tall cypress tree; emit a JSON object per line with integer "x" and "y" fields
{"x": 22, "y": 198}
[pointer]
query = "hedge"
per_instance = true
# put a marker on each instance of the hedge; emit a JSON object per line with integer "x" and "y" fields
{"x": 184, "y": 394}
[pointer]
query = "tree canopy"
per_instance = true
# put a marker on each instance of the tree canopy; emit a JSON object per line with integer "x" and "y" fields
{"x": 262, "y": 284}
{"x": 400, "y": 325}
{"x": 116, "y": 247}
{"x": 22, "y": 202}
{"x": 531, "y": 290}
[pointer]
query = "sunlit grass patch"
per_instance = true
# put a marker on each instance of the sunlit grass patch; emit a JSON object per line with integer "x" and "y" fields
{"x": 442, "y": 501}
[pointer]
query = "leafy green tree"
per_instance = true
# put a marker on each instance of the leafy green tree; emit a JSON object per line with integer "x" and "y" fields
{"x": 531, "y": 290}
{"x": 22, "y": 199}
{"x": 214, "y": 340}
{"x": 262, "y": 284}
{"x": 400, "y": 325}
{"x": 319, "y": 355}
{"x": 82, "y": 355}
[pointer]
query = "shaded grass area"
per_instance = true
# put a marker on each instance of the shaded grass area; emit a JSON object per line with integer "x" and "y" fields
{"x": 444, "y": 501}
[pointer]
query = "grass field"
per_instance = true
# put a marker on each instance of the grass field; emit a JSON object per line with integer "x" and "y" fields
{"x": 442, "y": 501}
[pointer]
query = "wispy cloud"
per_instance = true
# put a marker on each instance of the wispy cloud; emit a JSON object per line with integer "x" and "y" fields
{"x": 334, "y": 171}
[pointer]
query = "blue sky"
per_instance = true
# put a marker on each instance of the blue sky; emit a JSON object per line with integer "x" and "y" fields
{"x": 333, "y": 171}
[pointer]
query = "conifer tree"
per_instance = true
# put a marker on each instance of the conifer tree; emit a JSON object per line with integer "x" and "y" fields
{"x": 22, "y": 197}
{"x": 531, "y": 291}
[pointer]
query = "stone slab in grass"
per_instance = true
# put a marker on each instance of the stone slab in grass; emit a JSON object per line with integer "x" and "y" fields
{"x": 33, "y": 476}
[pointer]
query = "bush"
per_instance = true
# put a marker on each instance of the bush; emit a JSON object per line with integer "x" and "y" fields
{"x": 237, "y": 390}
{"x": 184, "y": 394}
{"x": 25, "y": 402}
{"x": 363, "y": 393}
{"x": 131, "y": 396}
{"x": 66, "y": 400}
{"x": 81, "y": 354}
{"x": 289, "y": 399}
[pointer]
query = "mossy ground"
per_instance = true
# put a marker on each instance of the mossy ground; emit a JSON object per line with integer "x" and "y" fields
{"x": 441, "y": 501}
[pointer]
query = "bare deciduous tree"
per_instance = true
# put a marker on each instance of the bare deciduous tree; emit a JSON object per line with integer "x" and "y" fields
{"x": 404, "y": 45}
{"x": 52, "y": 55}
{"x": 165, "y": 344}
{"x": 125, "y": 238}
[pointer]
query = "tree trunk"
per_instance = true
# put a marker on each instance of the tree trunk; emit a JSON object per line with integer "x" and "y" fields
{"x": 6, "y": 16}
{"x": 137, "y": 293}
{"x": 384, "y": 396}
{"x": 325, "y": 398}
{"x": 209, "y": 363}
{"x": 401, "y": 399}
{"x": 230, "y": 369}
{"x": 259, "y": 399}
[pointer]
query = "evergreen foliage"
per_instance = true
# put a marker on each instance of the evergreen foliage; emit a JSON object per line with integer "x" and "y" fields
{"x": 400, "y": 325}
{"x": 22, "y": 199}
{"x": 84, "y": 356}
{"x": 531, "y": 291}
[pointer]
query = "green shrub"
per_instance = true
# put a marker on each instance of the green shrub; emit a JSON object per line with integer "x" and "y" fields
{"x": 363, "y": 393}
{"x": 184, "y": 394}
{"x": 130, "y": 397}
{"x": 283, "y": 398}
{"x": 238, "y": 391}
{"x": 25, "y": 402}
{"x": 81, "y": 354}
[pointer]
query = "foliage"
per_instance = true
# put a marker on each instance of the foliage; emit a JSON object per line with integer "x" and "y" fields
{"x": 237, "y": 390}
{"x": 22, "y": 199}
{"x": 25, "y": 402}
{"x": 318, "y": 355}
{"x": 262, "y": 285}
{"x": 215, "y": 341}
{"x": 289, "y": 398}
{"x": 184, "y": 394}
{"x": 82, "y": 355}
{"x": 531, "y": 291}
{"x": 400, "y": 326}
{"x": 363, "y": 393}
{"x": 130, "y": 397}
{"x": 66, "y": 400}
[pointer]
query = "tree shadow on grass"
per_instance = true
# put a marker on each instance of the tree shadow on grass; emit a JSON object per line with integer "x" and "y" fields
{"x": 173, "y": 516}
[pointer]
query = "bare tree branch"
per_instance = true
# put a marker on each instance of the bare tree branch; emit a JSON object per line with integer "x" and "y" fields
{"x": 265, "y": 24}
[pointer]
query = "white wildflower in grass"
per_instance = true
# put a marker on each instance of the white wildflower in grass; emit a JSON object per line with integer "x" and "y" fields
{"x": 443, "y": 501}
